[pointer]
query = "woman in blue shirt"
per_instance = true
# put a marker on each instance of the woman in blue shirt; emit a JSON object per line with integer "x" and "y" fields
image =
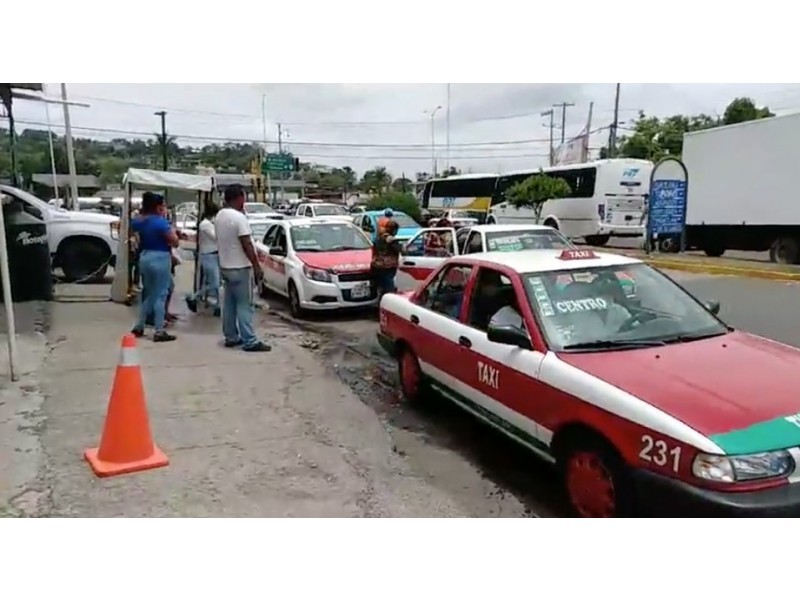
{"x": 156, "y": 240}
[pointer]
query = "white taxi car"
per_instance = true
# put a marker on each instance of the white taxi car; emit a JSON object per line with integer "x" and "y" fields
{"x": 647, "y": 404}
{"x": 430, "y": 247}
{"x": 318, "y": 265}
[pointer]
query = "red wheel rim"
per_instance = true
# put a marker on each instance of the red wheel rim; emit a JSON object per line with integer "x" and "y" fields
{"x": 590, "y": 486}
{"x": 410, "y": 374}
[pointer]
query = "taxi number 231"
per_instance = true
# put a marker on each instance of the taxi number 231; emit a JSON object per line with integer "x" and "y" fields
{"x": 659, "y": 453}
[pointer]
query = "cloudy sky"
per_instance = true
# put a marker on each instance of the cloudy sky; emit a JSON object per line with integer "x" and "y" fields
{"x": 492, "y": 126}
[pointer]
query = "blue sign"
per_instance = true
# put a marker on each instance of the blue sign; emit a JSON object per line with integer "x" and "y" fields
{"x": 667, "y": 207}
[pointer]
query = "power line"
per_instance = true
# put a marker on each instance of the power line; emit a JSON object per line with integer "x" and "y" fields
{"x": 295, "y": 143}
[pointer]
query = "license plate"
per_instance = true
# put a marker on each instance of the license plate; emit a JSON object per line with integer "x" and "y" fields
{"x": 360, "y": 291}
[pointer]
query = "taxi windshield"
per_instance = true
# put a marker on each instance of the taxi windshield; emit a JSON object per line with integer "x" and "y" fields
{"x": 256, "y": 208}
{"x": 328, "y": 237}
{"x": 404, "y": 221}
{"x": 530, "y": 239}
{"x": 616, "y": 307}
{"x": 326, "y": 210}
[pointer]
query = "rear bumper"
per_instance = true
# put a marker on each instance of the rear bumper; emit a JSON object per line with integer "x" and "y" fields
{"x": 657, "y": 495}
{"x": 620, "y": 230}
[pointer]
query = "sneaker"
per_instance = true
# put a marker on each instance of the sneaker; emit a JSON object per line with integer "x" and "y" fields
{"x": 217, "y": 311}
{"x": 191, "y": 304}
{"x": 259, "y": 347}
{"x": 235, "y": 344}
{"x": 163, "y": 336}
{"x": 139, "y": 333}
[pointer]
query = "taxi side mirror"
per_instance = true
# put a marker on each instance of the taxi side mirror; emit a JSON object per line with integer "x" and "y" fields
{"x": 508, "y": 335}
{"x": 712, "y": 306}
{"x": 276, "y": 251}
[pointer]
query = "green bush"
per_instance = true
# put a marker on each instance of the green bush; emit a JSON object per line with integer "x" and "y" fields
{"x": 405, "y": 203}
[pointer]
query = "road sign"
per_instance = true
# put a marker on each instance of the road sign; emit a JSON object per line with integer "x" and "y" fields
{"x": 667, "y": 202}
{"x": 278, "y": 163}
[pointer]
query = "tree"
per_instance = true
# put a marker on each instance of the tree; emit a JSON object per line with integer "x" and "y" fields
{"x": 403, "y": 184}
{"x": 398, "y": 201}
{"x": 376, "y": 181}
{"x": 536, "y": 190}
{"x": 450, "y": 172}
{"x": 742, "y": 110}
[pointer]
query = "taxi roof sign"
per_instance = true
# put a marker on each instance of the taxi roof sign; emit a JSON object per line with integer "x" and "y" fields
{"x": 576, "y": 254}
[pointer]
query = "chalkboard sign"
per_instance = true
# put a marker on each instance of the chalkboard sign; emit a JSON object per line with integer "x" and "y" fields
{"x": 667, "y": 207}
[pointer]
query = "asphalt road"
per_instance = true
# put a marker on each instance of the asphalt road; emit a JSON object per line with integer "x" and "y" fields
{"x": 461, "y": 456}
{"x": 636, "y": 243}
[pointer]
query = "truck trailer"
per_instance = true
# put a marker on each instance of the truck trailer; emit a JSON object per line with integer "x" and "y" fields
{"x": 743, "y": 189}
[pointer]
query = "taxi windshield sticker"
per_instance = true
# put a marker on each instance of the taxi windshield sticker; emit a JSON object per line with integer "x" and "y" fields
{"x": 505, "y": 244}
{"x": 542, "y": 298}
{"x": 585, "y": 305}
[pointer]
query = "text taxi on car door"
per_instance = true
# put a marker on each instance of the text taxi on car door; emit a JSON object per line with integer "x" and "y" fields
{"x": 648, "y": 404}
{"x": 429, "y": 248}
{"x": 317, "y": 265}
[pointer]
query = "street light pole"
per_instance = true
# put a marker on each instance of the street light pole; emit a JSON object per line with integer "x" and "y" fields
{"x": 433, "y": 138}
{"x": 73, "y": 175}
{"x": 447, "y": 151}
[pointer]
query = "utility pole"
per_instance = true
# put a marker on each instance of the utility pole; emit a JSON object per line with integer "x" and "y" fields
{"x": 612, "y": 136}
{"x": 164, "y": 157}
{"x": 280, "y": 151}
{"x": 73, "y": 175}
{"x": 447, "y": 151}
{"x": 550, "y": 113}
{"x": 563, "y": 106}
{"x": 432, "y": 115}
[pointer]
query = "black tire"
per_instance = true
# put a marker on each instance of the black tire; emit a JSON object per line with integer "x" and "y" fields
{"x": 406, "y": 362}
{"x": 551, "y": 223}
{"x": 601, "y": 454}
{"x": 714, "y": 250}
{"x": 669, "y": 245}
{"x": 294, "y": 302}
{"x": 785, "y": 251}
{"x": 597, "y": 240}
{"x": 82, "y": 258}
{"x": 491, "y": 220}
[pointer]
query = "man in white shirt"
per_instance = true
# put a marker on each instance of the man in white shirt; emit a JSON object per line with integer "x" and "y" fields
{"x": 209, "y": 263}
{"x": 240, "y": 271}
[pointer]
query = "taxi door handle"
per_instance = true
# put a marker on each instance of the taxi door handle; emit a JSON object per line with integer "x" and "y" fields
{"x": 415, "y": 319}
{"x": 409, "y": 263}
{"x": 465, "y": 342}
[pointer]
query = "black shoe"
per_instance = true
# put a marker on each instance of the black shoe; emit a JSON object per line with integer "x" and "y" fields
{"x": 235, "y": 344}
{"x": 259, "y": 347}
{"x": 191, "y": 304}
{"x": 139, "y": 333}
{"x": 217, "y": 311}
{"x": 163, "y": 336}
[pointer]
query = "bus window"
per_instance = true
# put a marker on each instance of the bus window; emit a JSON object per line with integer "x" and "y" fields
{"x": 478, "y": 187}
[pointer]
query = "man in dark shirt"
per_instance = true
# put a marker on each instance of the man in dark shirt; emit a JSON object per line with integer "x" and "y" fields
{"x": 386, "y": 259}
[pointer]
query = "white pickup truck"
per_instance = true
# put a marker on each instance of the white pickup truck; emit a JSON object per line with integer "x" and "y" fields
{"x": 82, "y": 244}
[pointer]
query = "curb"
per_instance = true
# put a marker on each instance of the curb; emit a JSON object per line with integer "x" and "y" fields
{"x": 722, "y": 270}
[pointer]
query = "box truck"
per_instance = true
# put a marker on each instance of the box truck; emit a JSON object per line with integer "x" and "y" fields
{"x": 744, "y": 188}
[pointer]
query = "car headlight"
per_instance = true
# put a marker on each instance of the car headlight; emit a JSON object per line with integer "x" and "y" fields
{"x": 737, "y": 469}
{"x": 317, "y": 274}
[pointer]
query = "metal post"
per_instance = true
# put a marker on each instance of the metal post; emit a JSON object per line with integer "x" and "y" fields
{"x": 8, "y": 301}
{"x": 52, "y": 151}
{"x": 433, "y": 137}
{"x": 73, "y": 176}
{"x": 563, "y": 106}
{"x": 550, "y": 113}
{"x": 164, "y": 156}
{"x": 612, "y": 145}
{"x": 280, "y": 151}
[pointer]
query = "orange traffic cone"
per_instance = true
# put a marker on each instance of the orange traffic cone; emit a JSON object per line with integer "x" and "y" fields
{"x": 127, "y": 444}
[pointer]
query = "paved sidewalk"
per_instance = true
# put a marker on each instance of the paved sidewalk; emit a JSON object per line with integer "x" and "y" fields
{"x": 265, "y": 435}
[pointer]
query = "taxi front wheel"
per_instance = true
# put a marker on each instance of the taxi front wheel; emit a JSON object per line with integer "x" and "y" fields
{"x": 412, "y": 380}
{"x": 596, "y": 480}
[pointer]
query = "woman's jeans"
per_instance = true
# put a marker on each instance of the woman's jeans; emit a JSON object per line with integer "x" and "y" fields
{"x": 237, "y": 307}
{"x": 209, "y": 278}
{"x": 156, "y": 269}
{"x": 384, "y": 280}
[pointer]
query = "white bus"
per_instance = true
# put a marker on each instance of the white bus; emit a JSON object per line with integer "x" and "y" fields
{"x": 607, "y": 199}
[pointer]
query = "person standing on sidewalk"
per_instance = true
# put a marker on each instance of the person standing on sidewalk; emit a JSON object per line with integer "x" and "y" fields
{"x": 240, "y": 272}
{"x": 157, "y": 238}
{"x": 209, "y": 263}
{"x": 385, "y": 259}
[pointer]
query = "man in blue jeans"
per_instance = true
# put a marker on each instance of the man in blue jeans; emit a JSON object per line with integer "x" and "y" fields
{"x": 240, "y": 272}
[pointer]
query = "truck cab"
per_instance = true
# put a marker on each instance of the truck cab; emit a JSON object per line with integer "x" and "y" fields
{"x": 82, "y": 244}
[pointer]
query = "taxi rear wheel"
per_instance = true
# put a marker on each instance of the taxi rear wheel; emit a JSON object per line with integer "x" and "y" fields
{"x": 596, "y": 481}
{"x": 412, "y": 381}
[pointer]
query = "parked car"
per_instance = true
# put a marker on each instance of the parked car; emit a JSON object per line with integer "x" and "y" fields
{"x": 368, "y": 222}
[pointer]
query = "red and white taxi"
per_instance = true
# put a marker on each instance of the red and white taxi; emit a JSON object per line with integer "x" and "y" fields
{"x": 648, "y": 403}
{"x": 430, "y": 247}
{"x": 317, "y": 265}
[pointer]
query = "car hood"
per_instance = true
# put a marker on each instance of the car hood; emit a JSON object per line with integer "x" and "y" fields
{"x": 737, "y": 389}
{"x": 338, "y": 262}
{"x": 406, "y": 233}
{"x": 76, "y": 216}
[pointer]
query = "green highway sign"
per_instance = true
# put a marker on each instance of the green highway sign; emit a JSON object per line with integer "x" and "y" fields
{"x": 278, "y": 163}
